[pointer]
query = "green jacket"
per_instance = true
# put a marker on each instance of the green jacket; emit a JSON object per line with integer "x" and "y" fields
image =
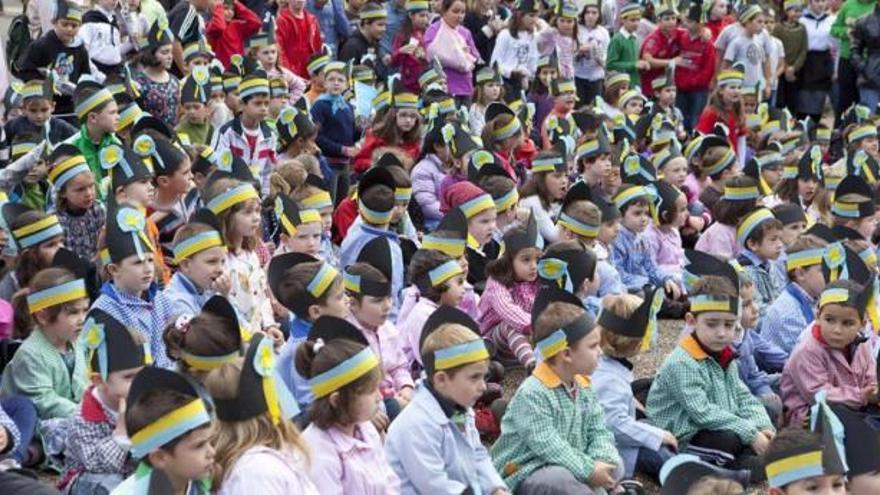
{"x": 544, "y": 425}
{"x": 38, "y": 372}
{"x": 691, "y": 392}
{"x": 849, "y": 12}
{"x": 90, "y": 152}
{"x": 623, "y": 53}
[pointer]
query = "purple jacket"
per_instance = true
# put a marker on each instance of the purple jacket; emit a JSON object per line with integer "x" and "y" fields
{"x": 460, "y": 83}
{"x": 427, "y": 176}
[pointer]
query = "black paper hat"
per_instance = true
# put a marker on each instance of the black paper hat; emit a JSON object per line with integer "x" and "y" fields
{"x": 292, "y": 123}
{"x": 205, "y": 162}
{"x": 550, "y": 294}
{"x": 125, "y": 166}
{"x": 455, "y": 226}
{"x": 568, "y": 334}
{"x": 789, "y": 213}
{"x": 586, "y": 120}
{"x": 844, "y": 205}
{"x": 259, "y": 385}
{"x": 567, "y": 269}
{"x": 389, "y": 159}
{"x": 527, "y": 6}
{"x": 345, "y": 371}
{"x": 147, "y": 121}
{"x": 861, "y": 440}
{"x": 641, "y": 324}
{"x": 220, "y": 306}
{"x": 281, "y": 265}
{"x": 821, "y": 231}
{"x": 104, "y": 337}
{"x": 329, "y": 328}
{"x": 862, "y": 164}
{"x": 160, "y": 154}
{"x": 22, "y": 144}
{"x": 810, "y": 163}
{"x": 266, "y": 34}
{"x": 667, "y": 194}
{"x": 158, "y": 36}
{"x": 458, "y": 138}
{"x": 441, "y": 316}
{"x": 637, "y": 170}
{"x": 376, "y": 253}
{"x": 81, "y": 269}
{"x": 496, "y": 108}
{"x": 594, "y": 147}
{"x": 126, "y": 233}
{"x": 290, "y": 216}
{"x": 228, "y": 165}
{"x": 68, "y": 10}
{"x": 197, "y": 86}
{"x": 682, "y": 471}
{"x": 699, "y": 264}
{"x": 516, "y": 240}
{"x": 478, "y": 160}
{"x": 695, "y": 11}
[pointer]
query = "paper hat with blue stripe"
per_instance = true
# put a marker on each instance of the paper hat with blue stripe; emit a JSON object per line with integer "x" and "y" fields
{"x": 325, "y": 331}
{"x": 32, "y": 233}
{"x": 518, "y": 238}
{"x": 375, "y": 177}
{"x": 376, "y": 253}
{"x": 63, "y": 169}
{"x": 196, "y": 87}
{"x": 490, "y": 73}
{"x": 265, "y": 36}
{"x": 111, "y": 345}
{"x": 124, "y": 165}
{"x": 508, "y": 130}
{"x": 853, "y": 198}
{"x": 220, "y": 307}
{"x": 278, "y": 273}
{"x": 253, "y": 85}
{"x": 290, "y": 216}
{"x": 260, "y": 388}
{"x": 636, "y": 169}
{"x": 438, "y": 275}
{"x": 681, "y": 472}
{"x": 413, "y": 6}
{"x": 320, "y": 199}
{"x": 569, "y": 334}
{"x": 127, "y": 234}
{"x": 862, "y": 164}
{"x": 567, "y": 269}
{"x": 292, "y": 123}
{"x": 457, "y": 355}
{"x": 861, "y": 439}
{"x": 158, "y": 36}
{"x": 23, "y": 144}
{"x": 189, "y": 247}
{"x": 149, "y": 383}
{"x": 69, "y": 10}
{"x": 699, "y": 264}
{"x": 39, "y": 88}
{"x": 88, "y": 96}
{"x": 641, "y": 324}
{"x": 750, "y": 222}
{"x": 450, "y": 236}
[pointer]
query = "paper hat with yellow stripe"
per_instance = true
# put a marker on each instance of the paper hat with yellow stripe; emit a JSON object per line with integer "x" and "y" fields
{"x": 290, "y": 216}
{"x": 318, "y": 200}
{"x": 438, "y": 275}
{"x": 220, "y": 307}
{"x": 323, "y": 279}
{"x": 108, "y": 342}
{"x": 375, "y": 177}
{"x": 413, "y": 6}
{"x": 750, "y": 222}
{"x": 31, "y": 234}
{"x": 569, "y": 334}
{"x": 189, "y": 247}
{"x": 326, "y": 331}
{"x": 853, "y": 198}
{"x": 260, "y": 388}
{"x": 450, "y": 236}
{"x": 151, "y": 382}
{"x": 230, "y": 197}
{"x": 253, "y": 85}
{"x": 862, "y": 164}
{"x": 699, "y": 264}
{"x": 631, "y": 10}
{"x": 377, "y": 254}
{"x": 730, "y": 77}
{"x": 89, "y": 96}
{"x": 471, "y": 351}
{"x": 641, "y": 324}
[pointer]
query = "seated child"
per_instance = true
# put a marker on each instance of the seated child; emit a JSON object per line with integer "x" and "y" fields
{"x": 852, "y": 211}
{"x": 699, "y": 397}
{"x": 759, "y": 236}
{"x": 793, "y": 310}
{"x": 37, "y": 102}
{"x": 433, "y": 446}
{"x": 195, "y": 93}
{"x": 510, "y": 293}
{"x": 169, "y": 424}
{"x": 450, "y": 237}
{"x": 800, "y": 461}
{"x": 664, "y": 232}
{"x": 97, "y": 455}
{"x": 259, "y": 449}
{"x": 440, "y": 281}
{"x": 835, "y": 357}
{"x": 626, "y": 325}
{"x": 35, "y": 237}
{"x": 861, "y": 441}
{"x": 794, "y": 224}
{"x": 344, "y": 375}
{"x": 368, "y": 284}
{"x": 200, "y": 256}
{"x": 553, "y": 436}
{"x": 720, "y": 237}
{"x": 570, "y": 266}
{"x": 301, "y": 229}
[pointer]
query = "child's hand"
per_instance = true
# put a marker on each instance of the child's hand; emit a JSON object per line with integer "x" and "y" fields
{"x": 869, "y": 393}
{"x": 4, "y": 439}
{"x": 408, "y": 49}
{"x": 275, "y": 334}
{"x": 222, "y": 285}
{"x": 603, "y": 475}
{"x": 670, "y": 440}
{"x": 643, "y": 65}
{"x": 405, "y": 394}
{"x": 696, "y": 222}
{"x": 380, "y": 421}
{"x": 672, "y": 289}
{"x": 760, "y": 443}
{"x": 120, "y": 420}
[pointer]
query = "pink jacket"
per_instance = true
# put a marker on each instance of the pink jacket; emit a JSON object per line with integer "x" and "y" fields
{"x": 719, "y": 239}
{"x": 509, "y": 305}
{"x": 814, "y": 366}
{"x": 342, "y": 464}
{"x": 267, "y": 471}
{"x": 666, "y": 250}
{"x": 468, "y": 303}
{"x": 411, "y": 327}
{"x": 386, "y": 345}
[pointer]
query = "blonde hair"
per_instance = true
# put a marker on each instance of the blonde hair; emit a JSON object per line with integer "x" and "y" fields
{"x": 448, "y": 335}
{"x": 554, "y": 317}
{"x": 612, "y": 344}
{"x": 584, "y": 211}
{"x": 710, "y": 485}
{"x": 233, "y": 438}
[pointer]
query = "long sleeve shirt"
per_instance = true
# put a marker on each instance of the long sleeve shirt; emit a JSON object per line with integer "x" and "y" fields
{"x": 268, "y": 471}
{"x": 623, "y": 53}
{"x": 186, "y": 298}
{"x": 359, "y": 234}
{"x": 794, "y": 41}
{"x": 719, "y": 239}
{"x": 665, "y": 248}
{"x": 547, "y": 423}
{"x": 769, "y": 280}
{"x": 250, "y": 289}
{"x": 631, "y": 256}
{"x": 511, "y": 306}
{"x": 788, "y": 316}
{"x": 427, "y": 176}
{"x": 457, "y": 60}
{"x": 849, "y": 12}
{"x": 692, "y": 392}
{"x": 755, "y": 379}
{"x": 818, "y": 31}
{"x": 592, "y": 66}
{"x": 543, "y": 216}
{"x": 332, "y": 21}
{"x": 298, "y": 37}
{"x": 228, "y": 37}
{"x": 337, "y": 128}
{"x": 697, "y": 69}
{"x": 385, "y": 343}
{"x": 91, "y": 446}
{"x": 516, "y": 54}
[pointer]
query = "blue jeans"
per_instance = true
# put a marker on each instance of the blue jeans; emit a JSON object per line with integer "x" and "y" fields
{"x": 691, "y": 104}
{"x": 95, "y": 483}
{"x": 22, "y": 412}
{"x": 869, "y": 97}
{"x": 650, "y": 461}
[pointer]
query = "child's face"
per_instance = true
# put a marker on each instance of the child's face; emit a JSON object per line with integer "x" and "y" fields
{"x": 770, "y": 246}
{"x": 565, "y": 102}
{"x": 749, "y": 104}
{"x": 631, "y": 23}
{"x": 46, "y": 250}
{"x": 715, "y": 330}
{"x": 482, "y": 225}
{"x": 116, "y": 387}
{"x": 525, "y": 264}
{"x": 839, "y": 325}
{"x": 80, "y": 191}
{"x": 465, "y": 386}
{"x": 256, "y": 108}
{"x": 139, "y": 192}
{"x": 675, "y": 172}
{"x": 337, "y": 302}
{"x": 196, "y": 112}
{"x": 165, "y": 56}
{"x": 205, "y": 267}
{"x": 870, "y": 145}
{"x": 491, "y": 92}
{"x": 335, "y": 83}
{"x": 591, "y": 16}
{"x": 811, "y": 279}
{"x": 297, "y": 5}
{"x": 228, "y": 12}
{"x": 755, "y": 25}
{"x": 406, "y": 119}
{"x": 666, "y": 96}
{"x": 585, "y": 354}
{"x": 731, "y": 93}
{"x": 565, "y": 25}
{"x": 69, "y": 321}
{"x": 38, "y": 110}
{"x": 376, "y": 29}
{"x": 233, "y": 102}
{"x": 749, "y": 317}
{"x": 181, "y": 181}
{"x": 608, "y": 232}
{"x": 454, "y": 292}
{"x": 365, "y": 405}
{"x": 599, "y": 168}
{"x": 866, "y": 226}
{"x": 821, "y": 485}
{"x": 547, "y": 75}
{"x": 634, "y": 107}
{"x": 306, "y": 240}
{"x": 792, "y": 15}
{"x": 772, "y": 175}
{"x": 419, "y": 19}
{"x": 770, "y": 23}
{"x": 398, "y": 211}
{"x": 682, "y": 214}
{"x": 192, "y": 458}
{"x": 37, "y": 173}
{"x": 107, "y": 119}
{"x": 818, "y": 6}
{"x": 637, "y": 218}
{"x": 196, "y": 61}
{"x": 556, "y": 184}
{"x": 133, "y": 274}
{"x": 807, "y": 189}
{"x": 246, "y": 221}
{"x": 792, "y": 231}
{"x": 865, "y": 484}
{"x": 66, "y": 30}
{"x": 326, "y": 218}
{"x": 268, "y": 56}
{"x": 372, "y": 311}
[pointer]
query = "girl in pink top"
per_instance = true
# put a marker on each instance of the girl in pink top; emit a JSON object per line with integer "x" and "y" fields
{"x": 664, "y": 236}
{"x": 835, "y": 356}
{"x": 720, "y": 238}
{"x": 511, "y": 287}
{"x": 347, "y": 455}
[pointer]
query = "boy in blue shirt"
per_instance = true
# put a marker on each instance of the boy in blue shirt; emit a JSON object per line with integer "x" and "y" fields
{"x": 759, "y": 234}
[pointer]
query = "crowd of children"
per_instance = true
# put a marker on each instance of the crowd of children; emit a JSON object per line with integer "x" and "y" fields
{"x": 236, "y": 260}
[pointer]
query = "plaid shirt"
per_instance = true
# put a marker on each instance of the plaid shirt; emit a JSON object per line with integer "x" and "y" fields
{"x": 786, "y": 318}
{"x": 14, "y": 436}
{"x": 91, "y": 446}
{"x": 768, "y": 278}
{"x": 692, "y": 392}
{"x": 631, "y": 255}
{"x": 544, "y": 425}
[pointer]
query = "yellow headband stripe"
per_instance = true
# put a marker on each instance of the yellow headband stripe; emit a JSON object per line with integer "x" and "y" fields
{"x": 232, "y": 197}
{"x": 168, "y": 427}
{"x": 460, "y": 354}
{"x": 60, "y": 294}
{"x": 344, "y": 373}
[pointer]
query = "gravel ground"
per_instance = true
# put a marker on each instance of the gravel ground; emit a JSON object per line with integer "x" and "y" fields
{"x": 645, "y": 366}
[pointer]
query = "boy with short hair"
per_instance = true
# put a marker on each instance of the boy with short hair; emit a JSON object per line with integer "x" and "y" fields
{"x": 365, "y": 40}
{"x": 800, "y": 462}
{"x": 102, "y": 38}
{"x": 759, "y": 234}
{"x": 98, "y": 116}
{"x": 38, "y": 104}
{"x": 623, "y": 50}
{"x": 852, "y": 211}
{"x": 338, "y": 134}
{"x": 553, "y": 437}
{"x": 200, "y": 255}
{"x": 195, "y": 94}
{"x": 748, "y": 49}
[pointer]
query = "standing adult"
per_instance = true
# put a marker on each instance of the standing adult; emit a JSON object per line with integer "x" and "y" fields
{"x": 847, "y": 73}
{"x": 453, "y": 45}
{"x": 865, "y": 56}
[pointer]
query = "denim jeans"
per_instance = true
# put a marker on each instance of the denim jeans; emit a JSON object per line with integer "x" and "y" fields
{"x": 95, "y": 483}
{"x": 22, "y": 412}
{"x": 691, "y": 104}
{"x": 650, "y": 461}
{"x": 869, "y": 97}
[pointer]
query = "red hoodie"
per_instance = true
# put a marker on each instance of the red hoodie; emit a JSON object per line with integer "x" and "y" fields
{"x": 227, "y": 37}
{"x": 298, "y": 37}
{"x": 698, "y": 63}
{"x": 364, "y": 159}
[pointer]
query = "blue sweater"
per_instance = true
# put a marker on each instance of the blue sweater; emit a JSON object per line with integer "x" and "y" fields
{"x": 336, "y": 129}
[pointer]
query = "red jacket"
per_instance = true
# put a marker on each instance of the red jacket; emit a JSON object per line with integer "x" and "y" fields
{"x": 343, "y": 217}
{"x": 410, "y": 66}
{"x": 364, "y": 159}
{"x": 227, "y": 37}
{"x": 659, "y": 46}
{"x": 298, "y": 37}
{"x": 710, "y": 117}
{"x": 698, "y": 65}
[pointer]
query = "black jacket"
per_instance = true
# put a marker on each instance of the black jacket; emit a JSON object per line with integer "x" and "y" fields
{"x": 48, "y": 52}
{"x": 865, "y": 53}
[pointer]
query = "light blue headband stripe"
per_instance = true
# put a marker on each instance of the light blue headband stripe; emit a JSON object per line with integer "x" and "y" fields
{"x": 552, "y": 340}
{"x": 258, "y": 89}
{"x": 103, "y": 93}
{"x": 795, "y": 475}
{"x": 53, "y": 291}
{"x": 69, "y": 174}
{"x": 318, "y": 279}
{"x": 34, "y": 239}
{"x": 196, "y": 239}
{"x": 141, "y": 449}
{"x": 459, "y": 349}
{"x": 591, "y": 229}
{"x": 344, "y": 367}
{"x": 444, "y": 272}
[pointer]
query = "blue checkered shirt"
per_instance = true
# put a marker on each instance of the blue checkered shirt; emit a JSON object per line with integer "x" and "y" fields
{"x": 785, "y": 319}
{"x": 768, "y": 279}
{"x": 632, "y": 258}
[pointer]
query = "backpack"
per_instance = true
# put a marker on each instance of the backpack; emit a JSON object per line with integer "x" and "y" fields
{"x": 17, "y": 39}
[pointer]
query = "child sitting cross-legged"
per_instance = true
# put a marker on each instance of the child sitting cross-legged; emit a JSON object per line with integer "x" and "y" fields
{"x": 627, "y": 324}
{"x": 572, "y": 267}
{"x": 433, "y": 446}
{"x": 97, "y": 455}
{"x": 697, "y": 393}
{"x": 553, "y": 436}
{"x": 759, "y": 234}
